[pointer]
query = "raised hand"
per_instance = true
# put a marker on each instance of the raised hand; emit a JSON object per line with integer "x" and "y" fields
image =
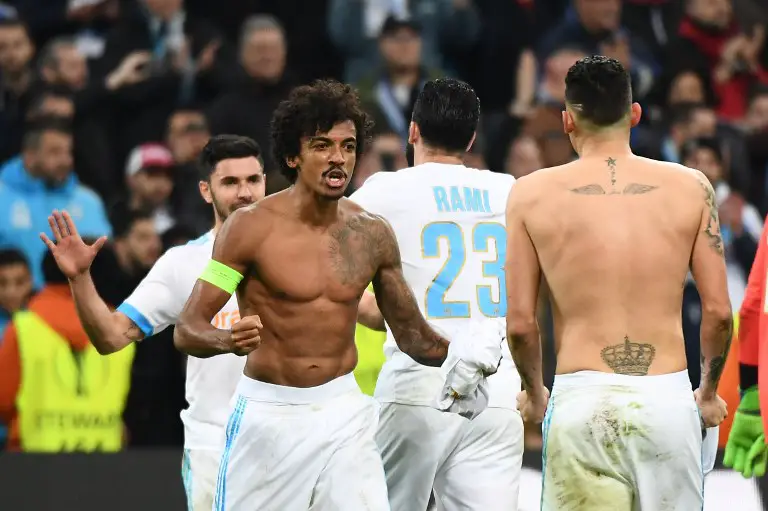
{"x": 72, "y": 254}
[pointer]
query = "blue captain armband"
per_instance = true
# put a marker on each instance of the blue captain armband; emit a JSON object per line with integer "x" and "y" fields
{"x": 221, "y": 276}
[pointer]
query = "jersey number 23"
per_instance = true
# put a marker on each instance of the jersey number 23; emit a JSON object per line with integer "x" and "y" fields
{"x": 437, "y": 307}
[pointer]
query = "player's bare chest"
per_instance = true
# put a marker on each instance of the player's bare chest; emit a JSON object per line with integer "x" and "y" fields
{"x": 332, "y": 265}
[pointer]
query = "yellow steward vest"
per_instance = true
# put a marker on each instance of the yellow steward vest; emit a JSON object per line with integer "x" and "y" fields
{"x": 68, "y": 402}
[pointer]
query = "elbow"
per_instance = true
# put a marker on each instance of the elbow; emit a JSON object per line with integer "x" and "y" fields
{"x": 521, "y": 327}
{"x": 106, "y": 348}
{"x": 181, "y": 336}
{"x": 718, "y": 313}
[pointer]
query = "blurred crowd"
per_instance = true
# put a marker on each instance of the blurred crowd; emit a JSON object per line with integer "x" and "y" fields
{"x": 105, "y": 106}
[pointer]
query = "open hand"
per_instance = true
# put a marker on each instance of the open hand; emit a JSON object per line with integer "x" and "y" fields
{"x": 246, "y": 335}
{"x": 73, "y": 256}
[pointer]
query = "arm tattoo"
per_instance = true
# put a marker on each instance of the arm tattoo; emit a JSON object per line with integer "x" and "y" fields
{"x": 629, "y": 357}
{"x": 398, "y": 305}
{"x": 714, "y": 370}
{"x": 712, "y": 230}
{"x": 630, "y": 189}
{"x": 528, "y": 371}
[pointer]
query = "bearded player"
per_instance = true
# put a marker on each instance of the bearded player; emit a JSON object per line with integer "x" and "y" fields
{"x": 233, "y": 178}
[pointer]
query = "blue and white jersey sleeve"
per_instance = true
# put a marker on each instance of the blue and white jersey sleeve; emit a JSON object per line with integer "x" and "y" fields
{"x": 157, "y": 301}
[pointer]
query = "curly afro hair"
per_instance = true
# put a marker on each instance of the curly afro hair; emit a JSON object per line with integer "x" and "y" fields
{"x": 312, "y": 109}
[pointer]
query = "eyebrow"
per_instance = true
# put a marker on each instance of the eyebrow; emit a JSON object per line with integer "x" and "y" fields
{"x": 321, "y": 138}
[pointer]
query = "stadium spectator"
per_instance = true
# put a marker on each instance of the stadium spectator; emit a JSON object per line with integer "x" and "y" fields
{"x": 389, "y": 92}
{"x": 594, "y": 26}
{"x": 524, "y": 157}
{"x": 187, "y": 135}
{"x": 149, "y": 174}
{"x": 38, "y": 182}
{"x": 354, "y": 28}
{"x": 544, "y": 123}
{"x": 16, "y": 53}
{"x": 15, "y": 285}
{"x": 188, "y": 61}
{"x": 56, "y": 392}
{"x": 61, "y": 63}
{"x": 386, "y": 154}
{"x": 713, "y": 40}
{"x": 262, "y": 82}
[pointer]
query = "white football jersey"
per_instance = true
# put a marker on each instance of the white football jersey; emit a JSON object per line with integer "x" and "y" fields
{"x": 450, "y": 224}
{"x": 156, "y": 304}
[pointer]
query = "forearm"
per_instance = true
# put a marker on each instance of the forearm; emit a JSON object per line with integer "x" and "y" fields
{"x": 525, "y": 346}
{"x": 368, "y": 313}
{"x": 411, "y": 331}
{"x": 201, "y": 339}
{"x": 422, "y": 344}
{"x": 98, "y": 320}
{"x": 716, "y": 336}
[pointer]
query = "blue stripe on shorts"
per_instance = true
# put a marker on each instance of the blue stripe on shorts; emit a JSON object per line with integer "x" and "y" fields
{"x": 233, "y": 428}
{"x": 186, "y": 477}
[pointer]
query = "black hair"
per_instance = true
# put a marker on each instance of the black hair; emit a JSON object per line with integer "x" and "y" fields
{"x": 123, "y": 221}
{"x": 50, "y": 91}
{"x": 11, "y": 256}
{"x": 178, "y": 234}
{"x": 311, "y": 109}
{"x": 37, "y": 127}
{"x": 682, "y": 113}
{"x": 702, "y": 143}
{"x": 447, "y": 112}
{"x": 48, "y": 56}
{"x": 599, "y": 89}
{"x": 226, "y": 147}
{"x": 13, "y": 21}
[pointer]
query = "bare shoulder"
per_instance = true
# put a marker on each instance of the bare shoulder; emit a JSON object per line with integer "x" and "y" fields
{"x": 374, "y": 227}
{"x": 692, "y": 182}
{"x": 374, "y": 230}
{"x": 248, "y": 227}
{"x": 530, "y": 188}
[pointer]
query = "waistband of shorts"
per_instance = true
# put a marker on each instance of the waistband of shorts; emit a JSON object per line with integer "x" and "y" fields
{"x": 670, "y": 381}
{"x": 259, "y": 391}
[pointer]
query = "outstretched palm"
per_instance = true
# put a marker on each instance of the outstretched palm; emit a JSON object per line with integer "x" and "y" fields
{"x": 72, "y": 254}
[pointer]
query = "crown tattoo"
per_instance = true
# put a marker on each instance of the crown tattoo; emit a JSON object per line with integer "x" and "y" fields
{"x": 631, "y": 358}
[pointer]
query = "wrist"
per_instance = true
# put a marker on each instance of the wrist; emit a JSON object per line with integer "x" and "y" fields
{"x": 80, "y": 279}
{"x": 707, "y": 393}
{"x": 113, "y": 81}
{"x": 537, "y": 391}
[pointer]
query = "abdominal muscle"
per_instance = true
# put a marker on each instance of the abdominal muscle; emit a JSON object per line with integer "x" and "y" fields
{"x": 304, "y": 344}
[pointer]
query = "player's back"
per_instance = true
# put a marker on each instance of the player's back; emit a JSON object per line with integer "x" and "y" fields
{"x": 449, "y": 223}
{"x": 614, "y": 238}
